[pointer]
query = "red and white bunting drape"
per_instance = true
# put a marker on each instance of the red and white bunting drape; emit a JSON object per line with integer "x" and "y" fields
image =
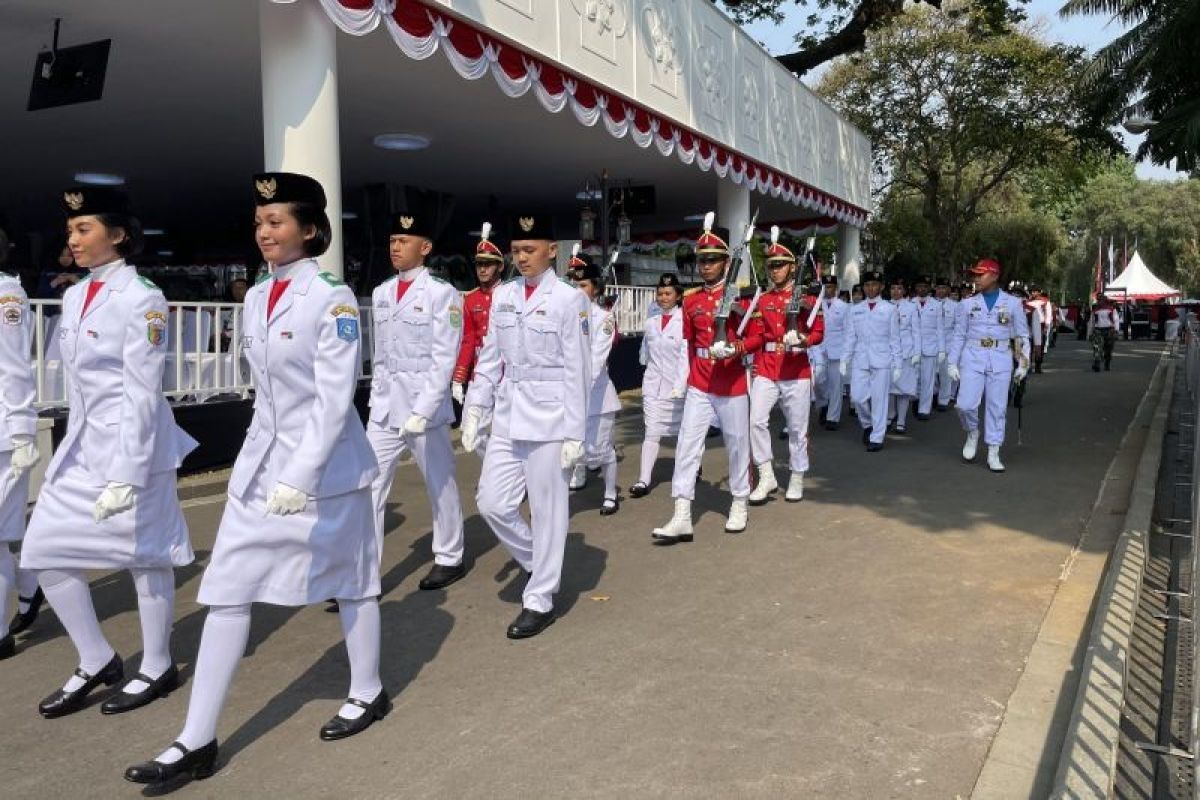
{"x": 420, "y": 31}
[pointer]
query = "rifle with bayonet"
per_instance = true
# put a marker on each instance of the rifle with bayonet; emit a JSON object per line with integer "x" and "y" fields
{"x": 731, "y": 293}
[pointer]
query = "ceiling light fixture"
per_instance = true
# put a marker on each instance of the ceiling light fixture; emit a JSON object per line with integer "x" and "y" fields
{"x": 349, "y": 215}
{"x": 99, "y": 179}
{"x": 153, "y": 231}
{"x": 401, "y": 141}
{"x": 693, "y": 218}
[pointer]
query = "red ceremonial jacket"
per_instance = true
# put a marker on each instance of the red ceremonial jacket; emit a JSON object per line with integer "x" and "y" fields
{"x": 723, "y": 378}
{"x": 477, "y": 307}
{"x": 770, "y": 323}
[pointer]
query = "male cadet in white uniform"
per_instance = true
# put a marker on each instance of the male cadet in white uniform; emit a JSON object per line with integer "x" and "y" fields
{"x": 990, "y": 327}
{"x": 873, "y": 353}
{"x": 534, "y": 377}
{"x": 418, "y": 327}
{"x": 946, "y": 386}
{"x": 931, "y": 322}
{"x": 833, "y": 347}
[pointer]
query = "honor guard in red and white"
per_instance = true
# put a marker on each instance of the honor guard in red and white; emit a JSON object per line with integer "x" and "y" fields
{"x": 477, "y": 306}
{"x": 828, "y": 381}
{"x": 664, "y": 354}
{"x": 933, "y": 344}
{"x": 1046, "y": 315}
{"x": 904, "y": 388}
{"x": 717, "y": 389}
{"x": 872, "y": 359}
{"x": 788, "y": 324}
{"x": 603, "y": 404}
{"x": 946, "y": 386}
{"x": 18, "y": 450}
{"x": 109, "y": 500}
{"x": 533, "y": 378}
{"x": 298, "y": 525}
{"x": 990, "y": 329}
{"x": 418, "y": 321}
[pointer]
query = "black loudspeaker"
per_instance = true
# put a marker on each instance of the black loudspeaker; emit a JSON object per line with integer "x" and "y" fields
{"x": 69, "y": 75}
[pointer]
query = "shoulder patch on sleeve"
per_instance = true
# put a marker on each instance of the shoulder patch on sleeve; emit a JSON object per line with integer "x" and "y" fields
{"x": 344, "y": 311}
{"x": 330, "y": 278}
{"x": 149, "y": 284}
{"x": 454, "y": 315}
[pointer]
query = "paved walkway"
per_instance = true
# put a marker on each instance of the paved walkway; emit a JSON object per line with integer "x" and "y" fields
{"x": 862, "y": 644}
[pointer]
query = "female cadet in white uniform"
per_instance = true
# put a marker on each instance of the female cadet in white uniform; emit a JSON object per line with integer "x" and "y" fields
{"x": 535, "y": 372}
{"x": 603, "y": 403}
{"x": 18, "y": 429}
{"x": 109, "y": 499}
{"x": 298, "y": 525}
{"x": 904, "y": 387}
{"x": 664, "y": 354}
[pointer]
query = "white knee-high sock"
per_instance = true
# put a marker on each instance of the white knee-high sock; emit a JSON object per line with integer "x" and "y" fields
{"x": 610, "y": 480}
{"x": 68, "y": 593}
{"x": 156, "y": 611}
{"x": 361, "y": 626}
{"x": 8, "y": 584}
{"x": 27, "y": 586}
{"x": 649, "y": 456}
{"x": 226, "y": 632}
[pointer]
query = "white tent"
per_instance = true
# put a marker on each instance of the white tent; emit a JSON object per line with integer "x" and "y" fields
{"x": 1137, "y": 282}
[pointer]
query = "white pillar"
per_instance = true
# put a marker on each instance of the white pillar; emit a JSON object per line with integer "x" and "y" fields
{"x": 300, "y": 102}
{"x": 733, "y": 212}
{"x": 849, "y": 255}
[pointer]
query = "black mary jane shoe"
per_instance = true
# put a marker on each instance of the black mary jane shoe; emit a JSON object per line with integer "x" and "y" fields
{"x": 158, "y": 687}
{"x": 639, "y": 489}
{"x": 866, "y": 437}
{"x": 8, "y": 647}
{"x": 199, "y": 764}
{"x": 609, "y": 506}
{"x": 441, "y": 575}
{"x": 341, "y": 728}
{"x": 331, "y": 606}
{"x": 61, "y": 703}
{"x": 24, "y": 619}
{"x": 874, "y": 447}
{"x": 662, "y": 540}
{"x": 530, "y": 623}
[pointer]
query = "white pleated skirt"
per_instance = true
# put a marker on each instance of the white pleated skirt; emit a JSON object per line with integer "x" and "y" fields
{"x": 662, "y": 415}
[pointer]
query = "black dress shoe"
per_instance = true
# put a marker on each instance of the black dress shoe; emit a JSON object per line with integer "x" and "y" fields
{"x": 866, "y": 439}
{"x": 158, "y": 687}
{"x": 922, "y": 417}
{"x": 639, "y": 489}
{"x": 667, "y": 541}
{"x": 441, "y": 576}
{"x": 943, "y": 407}
{"x": 899, "y": 430}
{"x": 199, "y": 764}
{"x": 713, "y": 430}
{"x": 609, "y": 506}
{"x": 874, "y": 447}
{"x": 832, "y": 426}
{"x": 61, "y": 703}
{"x": 530, "y": 623}
{"x": 8, "y": 647}
{"x": 341, "y": 728}
{"x": 332, "y": 607}
{"x": 783, "y": 434}
{"x": 23, "y": 619}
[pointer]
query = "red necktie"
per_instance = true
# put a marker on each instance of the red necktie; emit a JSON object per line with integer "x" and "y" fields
{"x": 276, "y": 291}
{"x": 93, "y": 290}
{"x": 529, "y": 290}
{"x": 401, "y": 288}
{"x": 666, "y": 320}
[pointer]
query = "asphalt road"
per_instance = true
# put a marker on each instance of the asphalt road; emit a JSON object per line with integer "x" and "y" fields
{"x": 861, "y": 644}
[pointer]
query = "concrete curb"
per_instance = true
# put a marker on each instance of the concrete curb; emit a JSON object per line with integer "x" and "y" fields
{"x": 1088, "y": 760}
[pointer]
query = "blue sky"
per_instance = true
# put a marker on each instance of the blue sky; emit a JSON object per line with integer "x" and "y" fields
{"x": 1090, "y": 32}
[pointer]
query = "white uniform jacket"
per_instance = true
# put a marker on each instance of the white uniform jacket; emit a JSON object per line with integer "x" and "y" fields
{"x": 873, "y": 335}
{"x": 665, "y": 352}
{"x": 837, "y": 317}
{"x": 17, "y": 417}
{"x": 534, "y": 370}
{"x": 983, "y": 339}
{"x": 118, "y": 419}
{"x": 910, "y": 331}
{"x": 949, "y": 316}
{"x": 305, "y": 366}
{"x": 415, "y": 348}
{"x": 602, "y": 398}
{"x": 930, "y": 325}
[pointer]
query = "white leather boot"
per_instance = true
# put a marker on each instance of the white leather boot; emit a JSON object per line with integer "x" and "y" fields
{"x": 738, "y": 515}
{"x": 971, "y": 446}
{"x": 795, "y": 490}
{"x": 679, "y": 528}
{"x": 578, "y": 477}
{"x": 994, "y": 463}
{"x": 766, "y": 484}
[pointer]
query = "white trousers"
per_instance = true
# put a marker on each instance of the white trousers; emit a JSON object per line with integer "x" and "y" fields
{"x": 794, "y": 399}
{"x": 435, "y": 459}
{"x": 925, "y": 383}
{"x": 700, "y": 410}
{"x": 869, "y": 388}
{"x": 510, "y": 469}
{"x": 946, "y": 386}
{"x": 830, "y": 394}
{"x": 992, "y": 389}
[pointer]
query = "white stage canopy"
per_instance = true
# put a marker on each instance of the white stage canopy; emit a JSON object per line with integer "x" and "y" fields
{"x": 1137, "y": 282}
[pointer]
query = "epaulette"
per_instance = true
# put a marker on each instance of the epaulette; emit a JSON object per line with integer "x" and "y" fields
{"x": 330, "y": 278}
{"x": 263, "y": 278}
{"x": 691, "y": 291}
{"x": 440, "y": 280}
{"x": 149, "y": 284}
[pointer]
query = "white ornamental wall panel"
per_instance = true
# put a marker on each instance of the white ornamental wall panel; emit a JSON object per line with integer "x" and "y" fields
{"x": 828, "y": 140}
{"x": 532, "y": 23}
{"x": 749, "y": 101}
{"x": 660, "y": 57}
{"x": 596, "y": 40}
{"x": 807, "y": 128}
{"x": 783, "y": 141}
{"x": 859, "y": 167}
{"x": 711, "y": 72}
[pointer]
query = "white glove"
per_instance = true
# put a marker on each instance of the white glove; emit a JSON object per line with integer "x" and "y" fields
{"x": 677, "y": 394}
{"x": 415, "y": 425}
{"x": 572, "y": 452}
{"x": 115, "y": 498}
{"x": 791, "y": 338}
{"x": 642, "y": 358}
{"x": 285, "y": 500}
{"x": 896, "y": 373}
{"x": 941, "y": 358}
{"x": 915, "y": 360}
{"x": 457, "y": 392}
{"x": 819, "y": 373}
{"x": 953, "y": 372}
{"x": 470, "y": 428}
{"x": 722, "y": 350}
{"x": 844, "y": 367}
{"x": 1019, "y": 373}
{"x": 24, "y": 455}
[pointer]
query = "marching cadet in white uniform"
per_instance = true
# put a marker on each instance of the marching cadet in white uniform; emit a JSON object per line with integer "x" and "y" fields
{"x": 832, "y": 350}
{"x": 109, "y": 499}
{"x": 534, "y": 376}
{"x": 664, "y": 354}
{"x": 418, "y": 327}
{"x": 603, "y": 403}
{"x": 904, "y": 388}
{"x": 931, "y": 326}
{"x": 946, "y": 385}
{"x": 298, "y": 525}
{"x": 18, "y": 448}
{"x": 872, "y": 359}
{"x": 990, "y": 327}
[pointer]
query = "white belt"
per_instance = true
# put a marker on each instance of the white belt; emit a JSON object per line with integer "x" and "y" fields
{"x": 519, "y": 373}
{"x": 989, "y": 342}
{"x": 398, "y": 364}
{"x": 779, "y": 347}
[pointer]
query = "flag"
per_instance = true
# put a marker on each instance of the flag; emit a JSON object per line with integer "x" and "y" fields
{"x": 1098, "y": 280}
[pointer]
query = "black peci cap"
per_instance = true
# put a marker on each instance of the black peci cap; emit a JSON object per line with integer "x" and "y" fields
{"x": 82, "y": 201}
{"x": 531, "y": 226}
{"x": 287, "y": 187}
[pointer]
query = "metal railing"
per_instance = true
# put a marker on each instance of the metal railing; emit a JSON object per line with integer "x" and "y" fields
{"x": 1191, "y": 367}
{"x": 631, "y": 306}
